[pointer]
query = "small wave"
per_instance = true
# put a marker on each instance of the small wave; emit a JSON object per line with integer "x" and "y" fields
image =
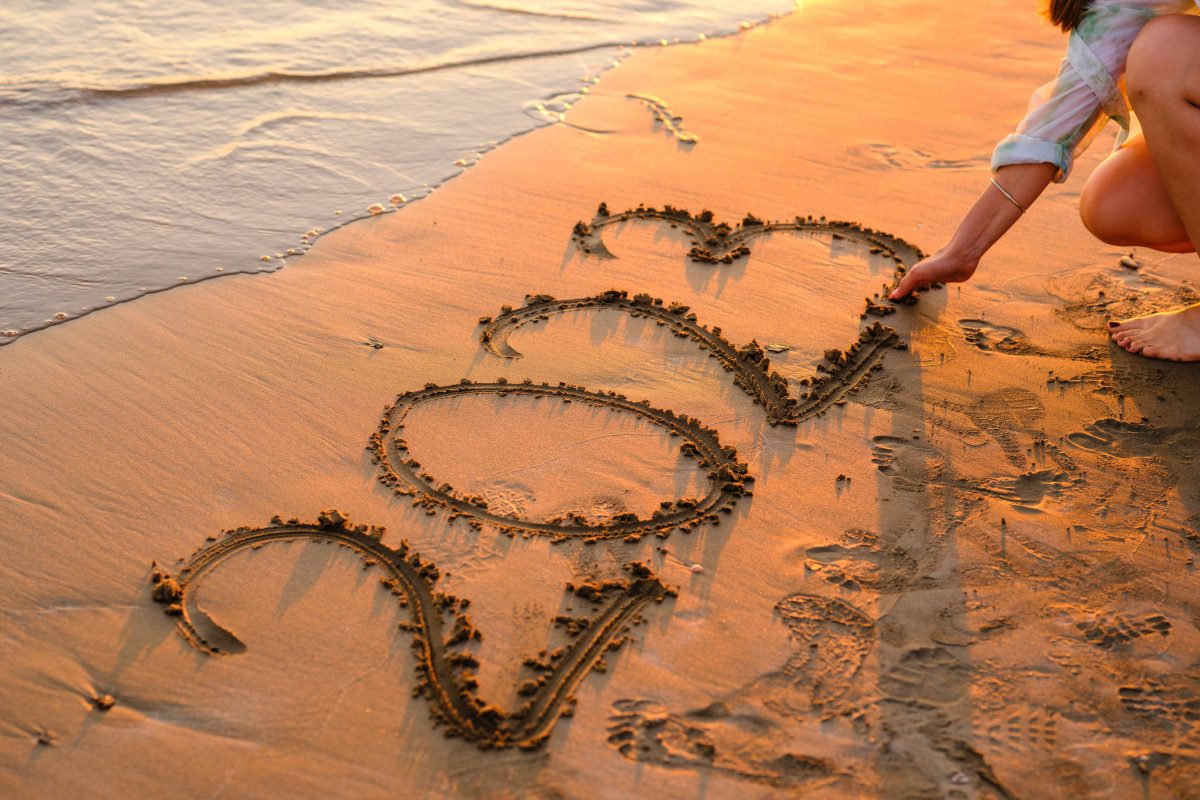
{"x": 57, "y": 93}
{"x": 530, "y": 12}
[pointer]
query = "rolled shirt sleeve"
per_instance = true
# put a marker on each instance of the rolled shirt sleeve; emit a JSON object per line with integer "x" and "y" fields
{"x": 1065, "y": 115}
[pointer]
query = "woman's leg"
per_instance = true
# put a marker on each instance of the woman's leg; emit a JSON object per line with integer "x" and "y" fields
{"x": 1125, "y": 203}
{"x": 1164, "y": 86}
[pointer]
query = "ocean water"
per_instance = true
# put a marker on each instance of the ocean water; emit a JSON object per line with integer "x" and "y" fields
{"x": 146, "y": 145}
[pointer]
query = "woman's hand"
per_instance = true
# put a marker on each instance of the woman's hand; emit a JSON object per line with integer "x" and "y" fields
{"x": 946, "y": 266}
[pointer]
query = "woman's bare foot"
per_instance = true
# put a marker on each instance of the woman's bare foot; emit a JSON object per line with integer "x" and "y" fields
{"x": 1170, "y": 335}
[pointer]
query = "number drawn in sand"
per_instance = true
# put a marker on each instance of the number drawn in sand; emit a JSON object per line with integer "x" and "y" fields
{"x": 833, "y": 638}
{"x": 720, "y": 243}
{"x": 440, "y": 627}
{"x": 401, "y": 472}
{"x": 840, "y": 375}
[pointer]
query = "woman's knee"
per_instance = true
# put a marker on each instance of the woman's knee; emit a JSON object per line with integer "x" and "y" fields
{"x": 1102, "y": 212}
{"x": 1160, "y": 57}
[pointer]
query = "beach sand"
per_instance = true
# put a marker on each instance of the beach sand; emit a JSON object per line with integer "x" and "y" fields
{"x": 958, "y": 565}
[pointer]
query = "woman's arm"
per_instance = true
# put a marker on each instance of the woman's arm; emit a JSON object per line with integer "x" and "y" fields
{"x": 989, "y": 219}
{"x": 1063, "y": 118}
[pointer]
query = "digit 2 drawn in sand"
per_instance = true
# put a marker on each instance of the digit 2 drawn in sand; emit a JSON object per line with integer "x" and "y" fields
{"x": 440, "y": 626}
{"x": 839, "y": 375}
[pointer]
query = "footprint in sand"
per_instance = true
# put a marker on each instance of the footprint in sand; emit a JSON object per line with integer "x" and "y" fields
{"x": 999, "y": 338}
{"x": 1172, "y": 707}
{"x": 926, "y": 676}
{"x": 1122, "y": 439}
{"x": 1114, "y": 630}
{"x": 753, "y": 732}
{"x": 860, "y": 561}
{"x": 914, "y": 466}
{"x": 1026, "y": 731}
{"x": 712, "y": 739}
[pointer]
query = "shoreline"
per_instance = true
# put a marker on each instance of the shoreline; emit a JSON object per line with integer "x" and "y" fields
{"x": 279, "y": 257}
{"x": 970, "y": 574}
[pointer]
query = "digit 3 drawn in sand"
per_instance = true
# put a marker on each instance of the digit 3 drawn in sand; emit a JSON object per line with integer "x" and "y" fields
{"x": 754, "y": 731}
{"x": 720, "y": 243}
{"x": 440, "y": 626}
{"x": 401, "y": 472}
{"x": 840, "y": 375}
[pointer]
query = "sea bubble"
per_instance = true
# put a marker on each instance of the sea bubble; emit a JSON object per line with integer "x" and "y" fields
{"x": 696, "y": 569}
{"x": 375, "y": 210}
{"x": 110, "y": 299}
{"x": 397, "y": 200}
{"x": 10, "y": 333}
{"x": 264, "y": 258}
{"x": 61, "y": 315}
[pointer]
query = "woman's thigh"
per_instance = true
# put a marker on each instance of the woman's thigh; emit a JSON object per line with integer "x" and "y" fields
{"x": 1124, "y": 202}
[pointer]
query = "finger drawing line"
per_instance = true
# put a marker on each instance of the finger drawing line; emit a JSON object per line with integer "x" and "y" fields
{"x": 399, "y": 471}
{"x": 440, "y": 627}
{"x": 839, "y": 375}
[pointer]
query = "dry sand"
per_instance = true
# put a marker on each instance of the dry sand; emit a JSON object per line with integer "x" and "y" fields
{"x": 967, "y": 572}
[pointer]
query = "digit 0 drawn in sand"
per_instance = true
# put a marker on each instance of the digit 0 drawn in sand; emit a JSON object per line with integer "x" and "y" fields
{"x": 840, "y": 375}
{"x": 753, "y": 732}
{"x": 721, "y": 243}
{"x": 671, "y": 122}
{"x": 399, "y": 471}
{"x": 439, "y": 625}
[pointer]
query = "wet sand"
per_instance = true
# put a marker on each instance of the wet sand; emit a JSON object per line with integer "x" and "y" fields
{"x": 707, "y": 527}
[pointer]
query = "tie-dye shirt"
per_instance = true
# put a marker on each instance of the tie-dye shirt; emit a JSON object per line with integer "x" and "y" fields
{"x": 1067, "y": 113}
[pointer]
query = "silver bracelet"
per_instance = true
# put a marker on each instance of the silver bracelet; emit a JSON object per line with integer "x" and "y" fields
{"x": 1011, "y": 199}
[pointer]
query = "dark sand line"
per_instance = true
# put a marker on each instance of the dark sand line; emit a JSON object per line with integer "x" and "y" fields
{"x": 399, "y": 471}
{"x": 671, "y": 122}
{"x": 439, "y": 624}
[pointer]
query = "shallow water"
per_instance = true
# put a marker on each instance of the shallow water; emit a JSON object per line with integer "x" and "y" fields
{"x": 146, "y": 145}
